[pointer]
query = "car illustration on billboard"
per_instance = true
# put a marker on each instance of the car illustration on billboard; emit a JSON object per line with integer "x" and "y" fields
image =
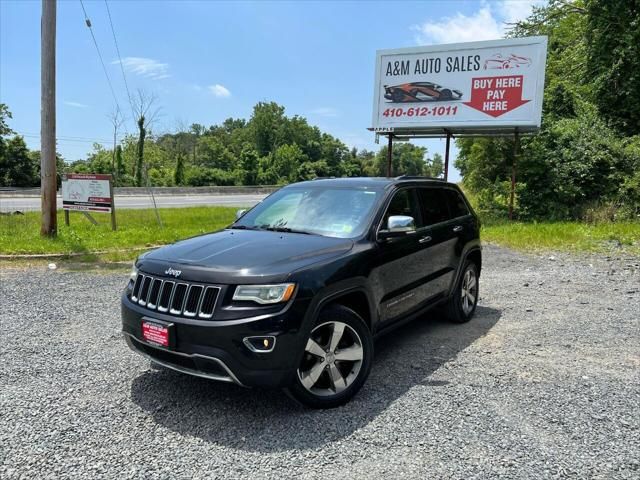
{"x": 500, "y": 62}
{"x": 420, "y": 92}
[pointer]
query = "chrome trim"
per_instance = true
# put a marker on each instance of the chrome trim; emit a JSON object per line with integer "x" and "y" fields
{"x": 196, "y": 373}
{"x": 140, "y": 300}
{"x": 186, "y": 312}
{"x": 164, "y": 285}
{"x": 152, "y": 306}
{"x": 250, "y": 346}
{"x": 215, "y": 303}
{"x": 175, "y": 288}
{"x": 173, "y": 285}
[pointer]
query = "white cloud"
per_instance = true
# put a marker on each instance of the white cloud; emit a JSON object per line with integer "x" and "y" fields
{"x": 325, "y": 112}
{"x": 75, "y": 104}
{"x": 513, "y": 11}
{"x": 145, "y": 67}
{"x": 489, "y": 22}
{"x": 219, "y": 90}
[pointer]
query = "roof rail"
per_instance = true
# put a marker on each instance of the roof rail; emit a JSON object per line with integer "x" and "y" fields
{"x": 322, "y": 178}
{"x": 418, "y": 177}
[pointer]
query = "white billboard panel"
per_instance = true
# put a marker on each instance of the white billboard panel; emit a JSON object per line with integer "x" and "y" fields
{"x": 474, "y": 87}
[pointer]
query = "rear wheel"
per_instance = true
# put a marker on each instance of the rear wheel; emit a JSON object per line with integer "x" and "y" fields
{"x": 463, "y": 302}
{"x": 397, "y": 96}
{"x": 445, "y": 94}
{"x": 336, "y": 361}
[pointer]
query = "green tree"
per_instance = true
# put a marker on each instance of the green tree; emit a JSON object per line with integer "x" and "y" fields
{"x": 435, "y": 166}
{"x": 285, "y": 162}
{"x": 18, "y": 169}
{"x": 612, "y": 37}
{"x": 577, "y": 161}
{"x": 249, "y": 166}
{"x": 406, "y": 159}
{"x": 266, "y": 126}
{"x": 178, "y": 177}
{"x": 120, "y": 167}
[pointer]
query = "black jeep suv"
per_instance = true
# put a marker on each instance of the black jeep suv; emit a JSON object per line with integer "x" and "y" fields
{"x": 293, "y": 293}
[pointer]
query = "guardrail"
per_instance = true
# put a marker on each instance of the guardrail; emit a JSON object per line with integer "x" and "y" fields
{"x": 144, "y": 191}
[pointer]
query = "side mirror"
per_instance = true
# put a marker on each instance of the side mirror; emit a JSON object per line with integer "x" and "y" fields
{"x": 240, "y": 213}
{"x": 398, "y": 226}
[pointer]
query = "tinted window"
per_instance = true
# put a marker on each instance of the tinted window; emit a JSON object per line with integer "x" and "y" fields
{"x": 456, "y": 203}
{"x": 434, "y": 206}
{"x": 403, "y": 203}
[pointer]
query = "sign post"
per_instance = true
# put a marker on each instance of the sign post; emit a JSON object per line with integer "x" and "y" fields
{"x": 88, "y": 193}
{"x": 491, "y": 88}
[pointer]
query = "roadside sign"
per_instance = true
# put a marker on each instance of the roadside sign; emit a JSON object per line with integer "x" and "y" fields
{"x": 474, "y": 88}
{"x": 89, "y": 192}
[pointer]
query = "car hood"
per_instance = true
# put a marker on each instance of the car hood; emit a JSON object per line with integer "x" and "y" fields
{"x": 232, "y": 256}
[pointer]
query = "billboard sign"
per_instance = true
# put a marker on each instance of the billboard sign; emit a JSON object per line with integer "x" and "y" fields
{"x": 491, "y": 87}
{"x": 89, "y": 192}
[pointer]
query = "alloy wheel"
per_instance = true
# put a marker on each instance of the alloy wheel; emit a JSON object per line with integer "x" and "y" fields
{"x": 332, "y": 359}
{"x": 469, "y": 291}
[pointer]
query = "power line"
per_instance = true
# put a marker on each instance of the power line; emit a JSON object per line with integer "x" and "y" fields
{"x": 68, "y": 139}
{"x": 124, "y": 77}
{"x": 104, "y": 68}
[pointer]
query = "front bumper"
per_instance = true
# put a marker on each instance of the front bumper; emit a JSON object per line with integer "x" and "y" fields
{"x": 215, "y": 349}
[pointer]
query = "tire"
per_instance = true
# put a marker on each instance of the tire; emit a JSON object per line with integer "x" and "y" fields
{"x": 329, "y": 377}
{"x": 445, "y": 94}
{"x": 397, "y": 96}
{"x": 464, "y": 300}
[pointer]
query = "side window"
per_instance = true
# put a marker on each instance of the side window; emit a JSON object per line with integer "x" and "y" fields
{"x": 403, "y": 203}
{"x": 457, "y": 204}
{"x": 434, "y": 206}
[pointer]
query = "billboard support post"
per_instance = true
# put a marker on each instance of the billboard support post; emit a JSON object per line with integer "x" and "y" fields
{"x": 516, "y": 150}
{"x": 446, "y": 157}
{"x": 389, "y": 154}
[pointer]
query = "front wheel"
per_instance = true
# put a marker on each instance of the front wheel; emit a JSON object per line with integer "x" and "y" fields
{"x": 463, "y": 302}
{"x": 336, "y": 362}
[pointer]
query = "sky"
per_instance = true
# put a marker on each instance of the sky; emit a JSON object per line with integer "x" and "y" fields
{"x": 210, "y": 60}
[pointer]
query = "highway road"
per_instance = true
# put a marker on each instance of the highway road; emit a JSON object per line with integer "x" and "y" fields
{"x": 10, "y": 203}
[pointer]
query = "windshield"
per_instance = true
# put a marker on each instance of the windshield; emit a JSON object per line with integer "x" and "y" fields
{"x": 332, "y": 212}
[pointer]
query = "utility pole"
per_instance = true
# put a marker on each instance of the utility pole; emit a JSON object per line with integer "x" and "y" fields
{"x": 48, "y": 184}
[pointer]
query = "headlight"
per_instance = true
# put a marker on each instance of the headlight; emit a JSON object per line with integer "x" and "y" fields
{"x": 134, "y": 272}
{"x": 264, "y": 294}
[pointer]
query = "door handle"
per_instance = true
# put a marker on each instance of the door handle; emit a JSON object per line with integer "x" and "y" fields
{"x": 425, "y": 239}
{"x": 457, "y": 228}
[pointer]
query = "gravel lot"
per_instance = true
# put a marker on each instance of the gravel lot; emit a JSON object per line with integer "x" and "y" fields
{"x": 543, "y": 383}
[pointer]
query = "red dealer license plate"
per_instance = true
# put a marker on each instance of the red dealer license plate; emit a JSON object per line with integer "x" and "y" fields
{"x": 154, "y": 333}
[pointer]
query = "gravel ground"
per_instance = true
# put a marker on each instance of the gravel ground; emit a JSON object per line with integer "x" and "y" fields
{"x": 543, "y": 383}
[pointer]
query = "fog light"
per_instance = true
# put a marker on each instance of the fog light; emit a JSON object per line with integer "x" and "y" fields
{"x": 260, "y": 344}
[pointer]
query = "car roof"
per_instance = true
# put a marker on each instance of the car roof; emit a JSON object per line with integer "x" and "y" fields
{"x": 376, "y": 183}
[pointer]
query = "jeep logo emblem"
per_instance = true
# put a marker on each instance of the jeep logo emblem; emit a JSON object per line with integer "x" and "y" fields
{"x": 171, "y": 271}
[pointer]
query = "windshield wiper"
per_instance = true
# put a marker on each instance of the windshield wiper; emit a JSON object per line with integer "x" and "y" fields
{"x": 283, "y": 229}
{"x": 242, "y": 227}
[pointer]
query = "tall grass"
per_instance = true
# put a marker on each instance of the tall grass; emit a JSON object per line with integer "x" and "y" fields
{"x": 20, "y": 234}
{"x": 138, "y": 229}
{"x": 565, "y": 236}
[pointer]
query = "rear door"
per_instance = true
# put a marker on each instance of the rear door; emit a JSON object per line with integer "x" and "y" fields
{"x": 440, "y": 239}
{"x": 462, "y": 223}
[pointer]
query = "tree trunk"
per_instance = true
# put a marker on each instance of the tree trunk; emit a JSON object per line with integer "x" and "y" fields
{"x": 140, "y": 156}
